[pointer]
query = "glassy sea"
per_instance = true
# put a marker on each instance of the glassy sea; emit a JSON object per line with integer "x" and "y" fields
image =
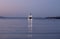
{"x": 29, "y": 29}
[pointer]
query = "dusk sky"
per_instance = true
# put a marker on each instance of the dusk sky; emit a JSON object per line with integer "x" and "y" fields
{"x": 38, "y": 8}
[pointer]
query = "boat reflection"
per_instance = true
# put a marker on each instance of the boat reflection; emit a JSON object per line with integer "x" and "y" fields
{"x": 29, "y": 28}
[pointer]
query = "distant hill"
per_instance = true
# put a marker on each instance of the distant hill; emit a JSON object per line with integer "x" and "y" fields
{"x": 52, "y": 17}
{"x": 1, "y": 17}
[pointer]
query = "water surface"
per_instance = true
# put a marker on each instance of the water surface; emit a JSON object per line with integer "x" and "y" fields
{"x": 19, "y": 29}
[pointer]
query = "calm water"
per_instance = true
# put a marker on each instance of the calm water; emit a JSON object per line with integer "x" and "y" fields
{"x": 23, "y": 29}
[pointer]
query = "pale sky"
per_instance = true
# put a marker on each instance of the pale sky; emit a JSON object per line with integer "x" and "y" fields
{"x": 38, "y": 8}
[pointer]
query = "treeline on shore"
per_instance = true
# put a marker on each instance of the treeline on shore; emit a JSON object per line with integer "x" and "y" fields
{"x": 52, "y": 17}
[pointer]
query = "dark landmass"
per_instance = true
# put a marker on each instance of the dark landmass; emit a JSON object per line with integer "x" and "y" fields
{"x": 37, "y": 17}
{"x": 13, "y": 17}
{"x": 1, "y": 17}
{"x": 52, "y": 17}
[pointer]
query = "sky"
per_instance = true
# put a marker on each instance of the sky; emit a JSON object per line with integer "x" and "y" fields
{"x": 21, "y": 8}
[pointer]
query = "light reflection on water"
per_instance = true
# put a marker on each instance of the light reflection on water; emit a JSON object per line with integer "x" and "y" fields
{"x": 30, "y": 25}
{"x": 30, "y": 28}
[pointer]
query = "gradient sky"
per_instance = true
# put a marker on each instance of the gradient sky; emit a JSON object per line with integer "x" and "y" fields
{"x": 21, "y": 8}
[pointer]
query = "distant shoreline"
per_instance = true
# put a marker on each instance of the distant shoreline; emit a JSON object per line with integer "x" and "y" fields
{"x": 27, "y": 17}
{"x": 52, "y": 17}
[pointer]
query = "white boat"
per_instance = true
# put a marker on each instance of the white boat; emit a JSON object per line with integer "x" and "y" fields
{"x": 30, "y": 16}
